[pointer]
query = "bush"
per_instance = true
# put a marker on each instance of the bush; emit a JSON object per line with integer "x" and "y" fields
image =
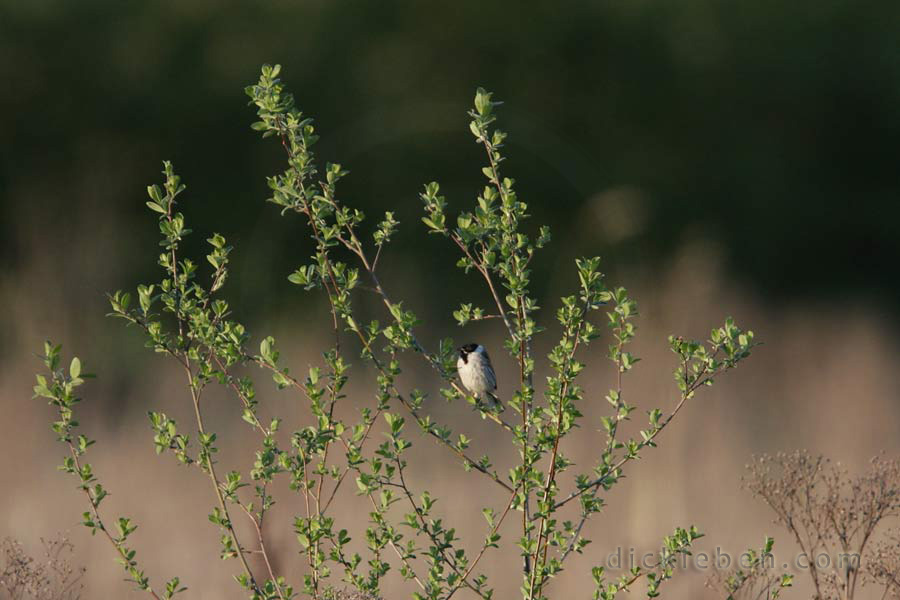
{"x": 187, "y": 320}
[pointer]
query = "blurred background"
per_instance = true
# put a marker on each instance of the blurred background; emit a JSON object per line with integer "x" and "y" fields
{"x": 724, "y": 157}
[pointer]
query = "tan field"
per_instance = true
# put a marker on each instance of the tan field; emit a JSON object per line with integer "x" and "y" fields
{"x": 826, "y": 379}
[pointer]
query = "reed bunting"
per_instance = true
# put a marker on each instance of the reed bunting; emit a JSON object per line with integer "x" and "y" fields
{"x": 477, "y": 373}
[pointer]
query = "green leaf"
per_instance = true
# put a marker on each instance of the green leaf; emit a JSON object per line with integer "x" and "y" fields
{"x": 75, "y": 368}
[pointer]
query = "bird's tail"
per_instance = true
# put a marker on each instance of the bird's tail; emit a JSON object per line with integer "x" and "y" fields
{"x": 492, "y": 400}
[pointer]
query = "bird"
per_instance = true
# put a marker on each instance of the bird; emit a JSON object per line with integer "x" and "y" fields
{"x": 477, "y": 373}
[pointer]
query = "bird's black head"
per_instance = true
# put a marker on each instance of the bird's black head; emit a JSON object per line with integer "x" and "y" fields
{"x": 466, "y": 349}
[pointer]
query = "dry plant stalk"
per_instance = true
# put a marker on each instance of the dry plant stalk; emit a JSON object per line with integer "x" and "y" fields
{"x": 51, "y": 578}
{"x": 883, "y": 567}
{"x": 832, "y": 515}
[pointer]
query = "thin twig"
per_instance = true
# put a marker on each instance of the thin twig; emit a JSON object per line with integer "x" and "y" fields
{"x": 95, "y": 513}
{"x": 211, "y": 469}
